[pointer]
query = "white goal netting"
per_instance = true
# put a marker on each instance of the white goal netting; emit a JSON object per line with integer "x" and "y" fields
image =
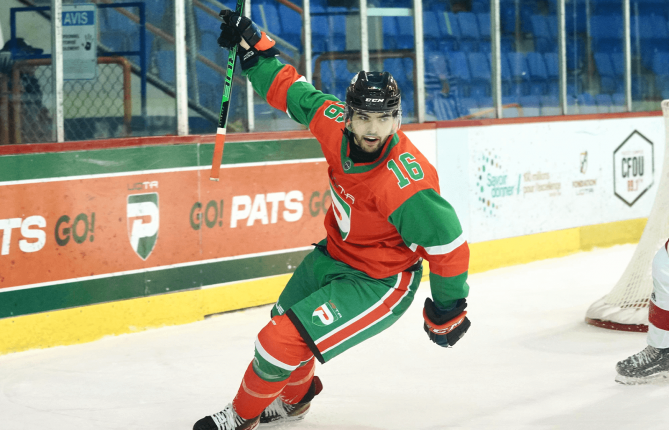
{"x": 626, "y": 306}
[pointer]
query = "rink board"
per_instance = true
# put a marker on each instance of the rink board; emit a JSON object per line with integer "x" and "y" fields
{"x": 86, "y": 259}
{"x": 88, "y": 227}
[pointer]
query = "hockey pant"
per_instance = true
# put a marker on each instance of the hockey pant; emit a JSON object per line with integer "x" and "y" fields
{"x": 658, "y": 316}
{"x": 326, "y": 308}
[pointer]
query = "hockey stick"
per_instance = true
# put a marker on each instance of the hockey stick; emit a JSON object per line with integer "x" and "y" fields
{"x": 225, "y": 107}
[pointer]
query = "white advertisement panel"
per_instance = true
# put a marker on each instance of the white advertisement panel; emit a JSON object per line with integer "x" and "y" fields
{"x": 518, "y": 179}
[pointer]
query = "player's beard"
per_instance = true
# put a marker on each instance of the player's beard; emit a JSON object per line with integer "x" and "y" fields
{"x": 370, "y": 143}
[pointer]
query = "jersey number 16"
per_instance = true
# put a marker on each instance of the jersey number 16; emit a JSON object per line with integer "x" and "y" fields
{"x": 411, "y": 166}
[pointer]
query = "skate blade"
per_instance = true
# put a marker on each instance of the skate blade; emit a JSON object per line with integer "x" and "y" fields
{"x": 658, "y": 378}
{"x": 281, "y": 422}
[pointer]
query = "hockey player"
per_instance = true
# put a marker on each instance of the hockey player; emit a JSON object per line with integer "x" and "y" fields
{"x": 652, "y": 364}
{"x": 387, "y": 215}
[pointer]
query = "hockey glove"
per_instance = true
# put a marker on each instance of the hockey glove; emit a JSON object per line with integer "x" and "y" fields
{"x": 445, "y": 328}
{"x": 253, "y": 43}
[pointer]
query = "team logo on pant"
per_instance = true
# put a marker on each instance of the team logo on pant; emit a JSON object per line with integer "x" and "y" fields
{"x": 325, "y": 314}
{"x": 143, "y": 222}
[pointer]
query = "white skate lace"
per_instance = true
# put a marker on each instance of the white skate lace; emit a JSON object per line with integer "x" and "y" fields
{"x": 277, "y": 408}
{"x": 227, "y": 419}
{"x": 644, "y": 357}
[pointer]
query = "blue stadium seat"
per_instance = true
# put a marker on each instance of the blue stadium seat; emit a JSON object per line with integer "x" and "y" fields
{"x": 291, "y": 23}
{"x": 469, "y": 31}
{"x": 469, "y": 106}
{"x": 408, "y": 107}
{"x": 618, "y": 102}
{"x": 618, "y": 62}
{"x": 531, "y": 105}
{"x": 480, "y": 6}
{"x": 209, "y": 46}
{"x": 520, "y": 73}
{"x": 431, "y": 29}
{"x": 436, "y": 65}
{"x": 483, "y": 20}
{"x": 607, "y": 33}
{"x": 327, "y": 75}
{"x": 390, "y": 32}
{"x": 538, "y": 73}
{"x": 450, "y": 29}
{"x": 586, "y": 103}
{"x": 320, "y": 33}
{"x": 267, "y": 17}
{"x": 607, "y": 75}
{"x": 396, "y": 68}
{"x": 543, "y": 41}
{"x": 575, "y": 17}
{"x": 444, "y": 107}
{"x": 607, "y": 7}
{"x": 459, "y": 68}
{"x": 661, "y": 69}
{"x": 204, "y": 21}
{"x": 550, "y": 105}
{"x": 507, "y": 18}
{"x": 405, "y": 32}
{"x": 479, "y": 65}
{"x": 604, "y": 103}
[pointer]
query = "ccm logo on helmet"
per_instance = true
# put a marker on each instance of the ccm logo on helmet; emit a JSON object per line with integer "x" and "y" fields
{"x": 374, "y": 100}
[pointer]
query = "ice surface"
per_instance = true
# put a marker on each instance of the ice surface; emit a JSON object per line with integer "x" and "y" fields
{"x": 528, "y": 362}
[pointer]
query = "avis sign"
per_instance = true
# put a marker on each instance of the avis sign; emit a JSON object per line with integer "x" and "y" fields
{"x": 633, "y": 168}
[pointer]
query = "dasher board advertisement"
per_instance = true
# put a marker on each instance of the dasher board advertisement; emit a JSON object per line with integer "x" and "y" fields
{"x": 76, "y": 240}
{"x": 520, "y": 179}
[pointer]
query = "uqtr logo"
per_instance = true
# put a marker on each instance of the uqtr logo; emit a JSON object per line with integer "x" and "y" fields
{"x": 143, "y": 222}
{"x": 325, "y": 314}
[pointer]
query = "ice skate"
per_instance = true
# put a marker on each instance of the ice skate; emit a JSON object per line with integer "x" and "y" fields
{"x": 279, "y": 412}
{"x": 648, "y": 366}
{"x": 227, "y": 419}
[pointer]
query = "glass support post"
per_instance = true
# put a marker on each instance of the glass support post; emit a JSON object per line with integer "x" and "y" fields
{"x": 562, "y": 56}
{"x": 419, "y": 63}
{"x": 306, "y": 24}
{"x": 57, "y": 68}
{"x": 364, "y": 36}
{"x": 627, "y": 55}
{"x": 250, "y": 106}
{"x": 495, "y": 58}
{"x": 180, "y": 66}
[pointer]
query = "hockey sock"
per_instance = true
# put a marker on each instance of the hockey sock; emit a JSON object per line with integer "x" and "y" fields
{"x": 255, "y": 394}
{"x": 280, "y": 351}
{"x": 298, "y": 384}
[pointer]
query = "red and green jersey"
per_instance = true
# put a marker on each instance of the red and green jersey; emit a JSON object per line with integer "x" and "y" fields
{"x": 385, "y": 214}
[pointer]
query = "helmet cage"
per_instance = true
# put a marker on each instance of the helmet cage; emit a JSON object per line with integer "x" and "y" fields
{"x": 396, "y": 114}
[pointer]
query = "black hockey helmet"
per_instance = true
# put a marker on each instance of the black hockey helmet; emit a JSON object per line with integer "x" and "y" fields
{"x": 374, "y": 92}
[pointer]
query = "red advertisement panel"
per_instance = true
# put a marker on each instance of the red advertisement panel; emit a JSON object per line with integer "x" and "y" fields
{"x": 66, "y": 229}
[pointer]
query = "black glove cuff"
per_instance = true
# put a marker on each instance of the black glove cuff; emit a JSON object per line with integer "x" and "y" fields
{"x": 250, "y": 57}
{"x": 439, "y": 317}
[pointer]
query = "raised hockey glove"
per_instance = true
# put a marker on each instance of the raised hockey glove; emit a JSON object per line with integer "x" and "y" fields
{"x": 445, "y": 328}
{"x": 253, "y": 43}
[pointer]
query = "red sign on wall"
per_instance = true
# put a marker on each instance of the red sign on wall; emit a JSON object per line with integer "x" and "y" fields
{"x": 65, "y": 229}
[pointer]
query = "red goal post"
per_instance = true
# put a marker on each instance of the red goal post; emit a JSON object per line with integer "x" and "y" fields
{"x": 625, "y": 308}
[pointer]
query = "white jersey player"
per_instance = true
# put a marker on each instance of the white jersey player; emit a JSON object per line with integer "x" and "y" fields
{"x": 652, "y": 364}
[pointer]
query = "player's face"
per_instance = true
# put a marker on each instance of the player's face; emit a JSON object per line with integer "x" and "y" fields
{"x": 371, "y": 129}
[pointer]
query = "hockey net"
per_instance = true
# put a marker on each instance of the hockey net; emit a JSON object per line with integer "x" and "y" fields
{"x": 626, "y": 306}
